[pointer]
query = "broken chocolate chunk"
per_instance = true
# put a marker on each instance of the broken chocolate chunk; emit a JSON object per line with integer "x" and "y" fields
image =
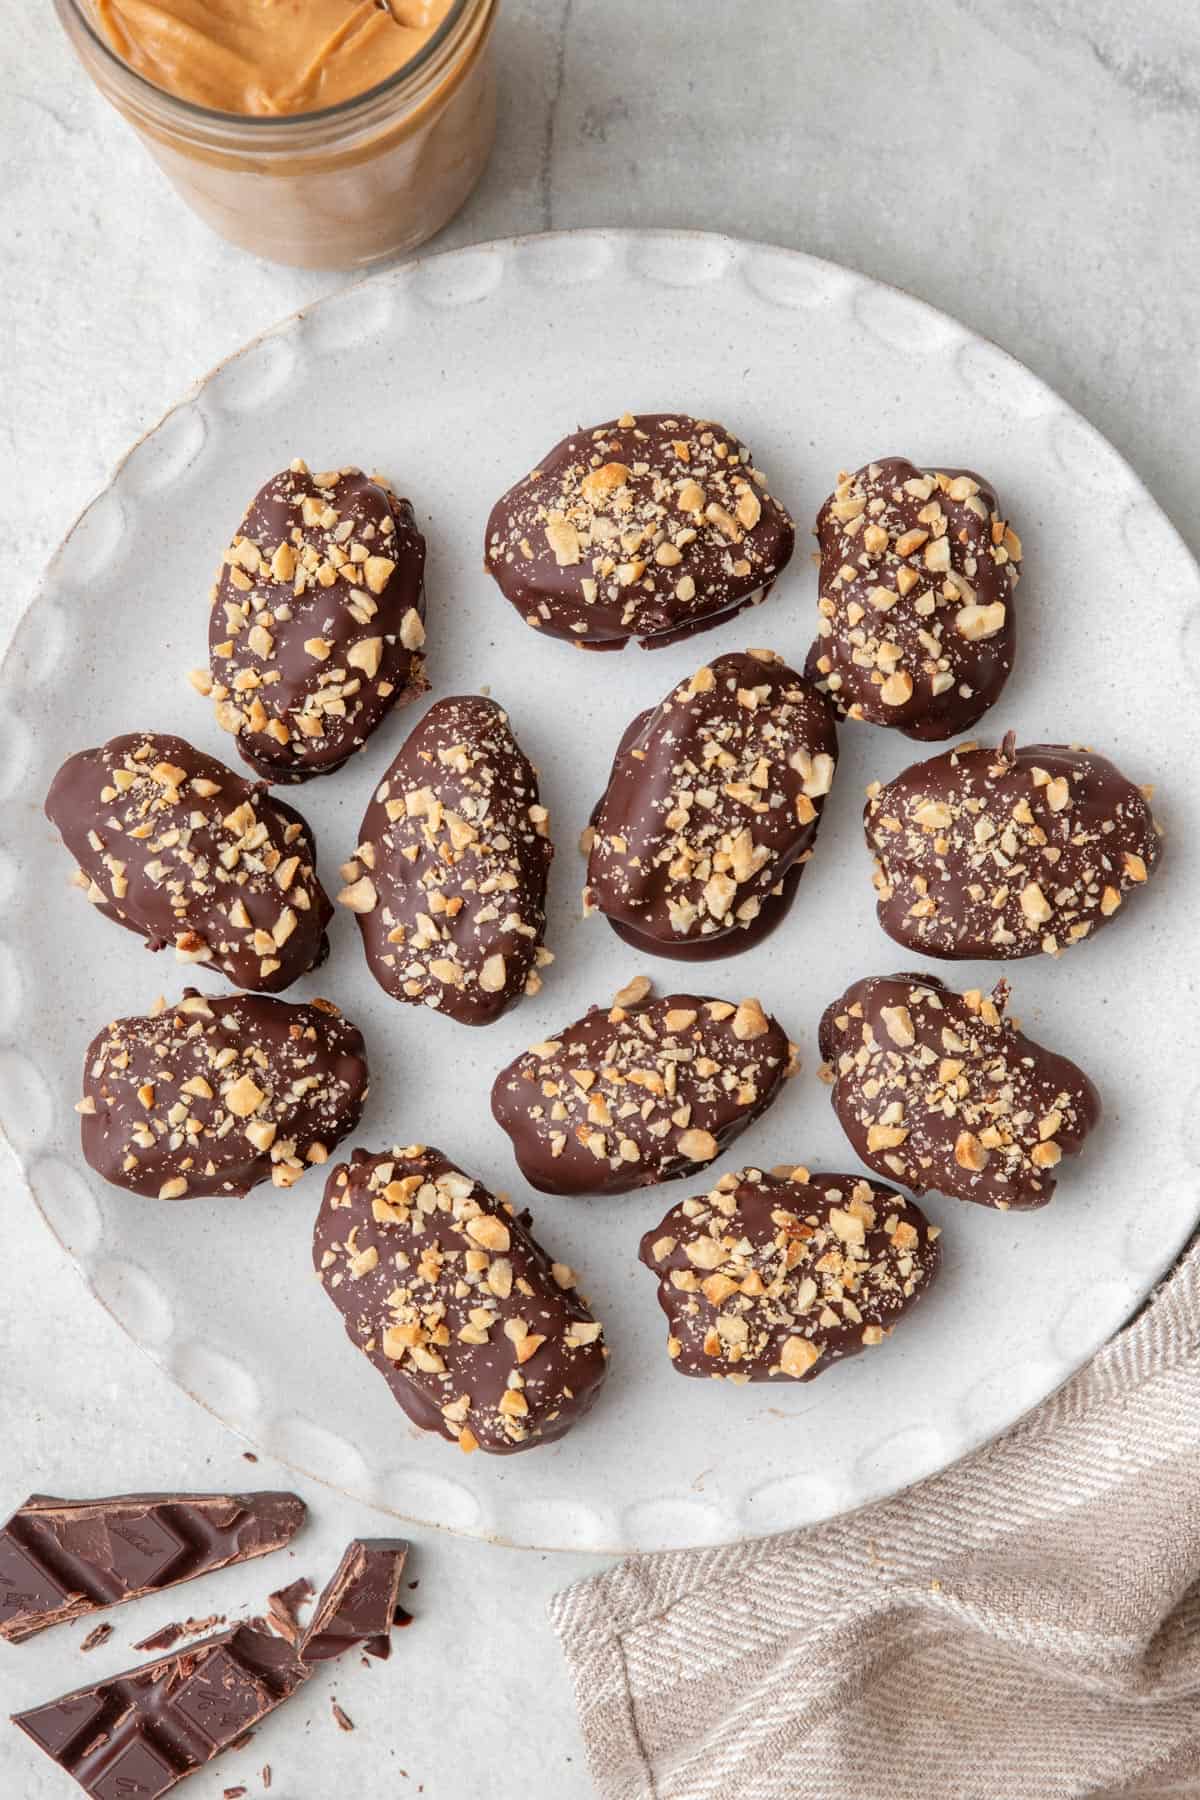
{"x": 1007, "y": 853}
{"x": 317, "y": 623}
{"x": 448, "y": 882}
{"x": 776, "y": 1278}
{"x": 63, "y": 1559}
{"x": 283, "y": 1608}
{"x": 941, "y": 1090}
{"x": 712, "y": 809}
{"x": 652, "y": 527}
{"x": 217, "y": 1093}
{"x": 175, "y": 846}
{"x": 140, "y": 1733}
{"x": 360, "y": 1601}
{"x": 647, "y": 1090}
{"x": 917, "y": 627}
{"x": 479, "y": 1334}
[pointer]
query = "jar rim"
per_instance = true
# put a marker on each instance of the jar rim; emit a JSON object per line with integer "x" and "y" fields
{"x": 274, "y": 121}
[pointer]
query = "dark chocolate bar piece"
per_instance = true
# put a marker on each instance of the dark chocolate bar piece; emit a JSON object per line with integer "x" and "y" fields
{"x": 917, "y": 627}
{"x": 448, "y": 881}
{"x": 136, "y": 1735}
{"x": 652, "y": 527}
{"x": 317, "y": 622}
{"x": 63, "y": 1559}
{"x": 360, "y": 1601}
{"x": 176, "y": 847}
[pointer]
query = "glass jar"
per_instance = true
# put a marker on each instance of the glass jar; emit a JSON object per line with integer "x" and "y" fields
{"x": 335, "y": 189}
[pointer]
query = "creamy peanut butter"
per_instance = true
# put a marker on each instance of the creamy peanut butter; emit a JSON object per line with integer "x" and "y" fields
{"x": 268, "y": 56}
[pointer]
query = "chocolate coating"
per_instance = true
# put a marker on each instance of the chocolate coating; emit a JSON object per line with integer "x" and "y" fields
{"x": 1000, "y": 853}
{"x": 62, "y": 1560}
{"x": 480, "y": 1336}
{"x": 651, "y": 527}
{"x": 317, "y": 622}
{"x": 770, "y": 1278}
{"x": 136, "y": 1735}
{"x": 449, "y": 878}
{"x": 647, "y": 1090}
{"x": 917, "y": 627}
{"x": 712, "y": 809}
{"x": 941, "y": 1090}
{"x": 175, "y": 846}
{"x": 215, "y": 1094}
{"x": 360, "y": 1602}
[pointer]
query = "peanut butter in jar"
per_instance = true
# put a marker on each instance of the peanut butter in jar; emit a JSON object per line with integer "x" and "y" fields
{"x": 322, "y": 133}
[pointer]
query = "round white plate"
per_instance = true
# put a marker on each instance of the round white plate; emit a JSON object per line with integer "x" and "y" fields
{"x": 452, "y": 376}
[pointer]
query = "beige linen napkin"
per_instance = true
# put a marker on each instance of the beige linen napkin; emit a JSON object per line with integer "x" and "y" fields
{"x": 1024, "y": 1626}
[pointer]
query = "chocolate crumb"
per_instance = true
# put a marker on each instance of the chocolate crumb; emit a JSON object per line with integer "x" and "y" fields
{"x": 345, "y": 1723}
{"x": 99, "y": 1635}
{"x": 161, "y": 1640}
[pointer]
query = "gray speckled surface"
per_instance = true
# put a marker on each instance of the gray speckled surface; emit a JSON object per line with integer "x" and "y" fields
{"x": 1031, "y": 168}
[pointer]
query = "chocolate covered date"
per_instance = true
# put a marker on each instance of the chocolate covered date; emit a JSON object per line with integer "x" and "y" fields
{"x": 449, "y": 878}
{"x": 650, "y": 527}
{"x": 175, "y": 846}
{"x": 916, "y": 626}
{"x": 479, "y": 1334}
{"x": 712, "y": 809}
{"x": 317, "y": 621}
{"x": 776, "y": 1278}
{"x": 941, "y": 1090}
{"x": 215, "y": 1094}
{"x": 646, "y": 1090}
{"x": 1007, "y": 853}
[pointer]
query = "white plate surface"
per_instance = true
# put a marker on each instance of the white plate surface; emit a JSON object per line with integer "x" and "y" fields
{"x": 452, "y": 376}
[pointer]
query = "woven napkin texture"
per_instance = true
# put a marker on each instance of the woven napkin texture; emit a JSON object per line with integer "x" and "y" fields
{"x": 1023, "y": 1626}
